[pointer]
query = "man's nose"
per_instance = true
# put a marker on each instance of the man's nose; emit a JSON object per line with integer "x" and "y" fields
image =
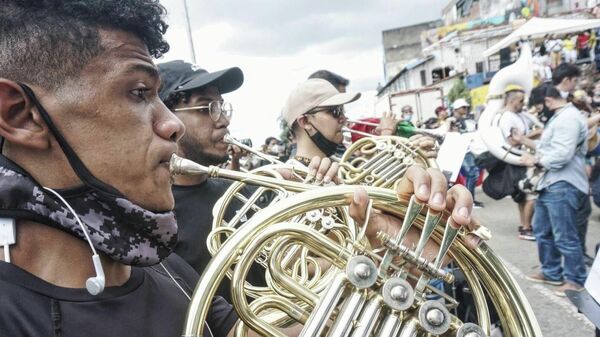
{"x": 170, "y": 127}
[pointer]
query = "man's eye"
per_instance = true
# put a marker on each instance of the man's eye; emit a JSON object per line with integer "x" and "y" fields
{"x": 141, "y": 93}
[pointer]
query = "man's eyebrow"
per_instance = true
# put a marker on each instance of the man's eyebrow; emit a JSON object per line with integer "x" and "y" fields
{"x": 145, "y": 68}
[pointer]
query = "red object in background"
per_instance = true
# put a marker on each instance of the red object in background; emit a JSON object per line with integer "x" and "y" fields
{"x": 364, "y": 128}
{"x": 582, "y": 41}
{"x": 461, "y": 179}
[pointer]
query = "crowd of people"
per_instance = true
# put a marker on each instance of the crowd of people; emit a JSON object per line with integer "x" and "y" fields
{"x": 555, "y": 49}
{"x": 97, "y": 235}
{"x": 524, "y": 127}
{"x": 97, "y": 238}
{"x": 558, "y": 135}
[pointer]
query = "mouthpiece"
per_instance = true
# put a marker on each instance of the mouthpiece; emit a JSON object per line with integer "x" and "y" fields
{"x": 179, "y": 166}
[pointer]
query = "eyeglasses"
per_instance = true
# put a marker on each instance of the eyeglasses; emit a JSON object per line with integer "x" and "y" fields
{"x": 215, "y": 109}
{"x": 336, "y": 111}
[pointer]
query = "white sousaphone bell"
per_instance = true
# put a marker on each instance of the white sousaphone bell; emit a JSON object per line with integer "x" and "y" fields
{"x": 519, "y": 73}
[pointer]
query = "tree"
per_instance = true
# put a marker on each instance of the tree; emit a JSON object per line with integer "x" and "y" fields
{"x": 459, "y": 90}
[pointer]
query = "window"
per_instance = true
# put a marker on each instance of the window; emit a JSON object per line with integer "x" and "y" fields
{"x": 479, "y": 67}
{"x": 438, "y": 74}
{"x": 423, "y": 78}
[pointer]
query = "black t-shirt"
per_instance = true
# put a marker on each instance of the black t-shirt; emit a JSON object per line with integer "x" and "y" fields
{"x": 148, "y": 304}
{"x": 193, "y": 208}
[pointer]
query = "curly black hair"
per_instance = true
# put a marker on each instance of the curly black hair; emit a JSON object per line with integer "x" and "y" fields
{"x": 46, "y": 42}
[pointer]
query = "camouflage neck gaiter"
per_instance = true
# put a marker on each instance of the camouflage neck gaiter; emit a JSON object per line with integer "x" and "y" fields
{"x": 124, "y": 231}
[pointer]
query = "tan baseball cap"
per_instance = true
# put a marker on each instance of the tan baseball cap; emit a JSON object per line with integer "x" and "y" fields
{"x": 311, "y": 94}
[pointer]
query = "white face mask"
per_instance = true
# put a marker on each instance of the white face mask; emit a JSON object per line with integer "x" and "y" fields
{"x": 275, "y": 149}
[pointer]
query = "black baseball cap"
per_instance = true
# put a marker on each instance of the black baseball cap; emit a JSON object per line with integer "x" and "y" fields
{"x": 177, "y": 76}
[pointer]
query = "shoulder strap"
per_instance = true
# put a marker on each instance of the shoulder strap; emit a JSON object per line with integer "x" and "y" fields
{"x": 185, "y": 293}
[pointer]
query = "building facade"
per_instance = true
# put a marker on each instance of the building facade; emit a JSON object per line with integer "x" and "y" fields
{"x": 402, "y": 45}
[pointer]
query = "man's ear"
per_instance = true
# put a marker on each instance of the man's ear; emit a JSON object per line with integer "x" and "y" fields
{"x": 20, "y": 122}
{"x": 303, "y": 123}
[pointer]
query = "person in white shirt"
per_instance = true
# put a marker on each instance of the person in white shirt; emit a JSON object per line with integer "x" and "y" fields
{"x": 555, "y": 47}
{"x": 515, "y": 127}
{"x": 541, "y": 66}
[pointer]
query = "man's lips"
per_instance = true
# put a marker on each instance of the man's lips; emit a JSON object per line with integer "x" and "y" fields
{"x": 165, "y": 158}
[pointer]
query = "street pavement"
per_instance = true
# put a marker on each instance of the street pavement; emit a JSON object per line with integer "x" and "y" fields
{"x": 556, "y": 316}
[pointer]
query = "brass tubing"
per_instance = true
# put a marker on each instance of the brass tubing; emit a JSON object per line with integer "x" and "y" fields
{"x": 354, "y": 121}
{"x": 304, "y": 234}
{"x": 248, "y": 204}
{"x": 481, "y": 265}
{"x": 368, "y": 317}
{"x": 322, "y": 312}
{"x": 360, "y": 133}
{"x": 391, "y": 325}
{"x": 348, "y": 313}
{"x": 182, "y": 166}
{"x": 410, "y": 328}
{"x": 232, "y": 141}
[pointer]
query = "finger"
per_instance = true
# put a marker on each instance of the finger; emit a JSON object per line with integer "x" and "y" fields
{"x": 431, "y": 154}
{"x": 331, "y": 173}
{"x": 426, "y": 143}
{"x": 312, "y": 168}
{"x": 323, "y": 167}
{"x": 416, "y": 181}
{"x": 439, "y": 187}
{"x": 415, "y": 138}
{"x": 459, "y": 201}
{"x": 358, "y": 205}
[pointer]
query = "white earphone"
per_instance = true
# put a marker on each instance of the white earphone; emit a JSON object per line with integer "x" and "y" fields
{"x": 94, "y": 285}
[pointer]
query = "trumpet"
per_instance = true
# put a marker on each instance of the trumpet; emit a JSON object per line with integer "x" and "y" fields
{"x": 403, "y": 129}
{"x": 232, "y": 141}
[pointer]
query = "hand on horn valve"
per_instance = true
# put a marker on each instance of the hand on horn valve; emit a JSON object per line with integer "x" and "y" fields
{"x": 426, "y": 144}
{"x": 322, "y": 171}
{"x": 428, "y": 186}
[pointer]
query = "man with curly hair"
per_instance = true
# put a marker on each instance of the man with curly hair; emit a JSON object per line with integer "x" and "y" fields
{"x": 85, "y": 194}
{"x": 80, "y": 114}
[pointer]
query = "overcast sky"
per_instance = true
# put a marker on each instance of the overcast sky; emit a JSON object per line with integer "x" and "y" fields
{"x": 277, "y": 44}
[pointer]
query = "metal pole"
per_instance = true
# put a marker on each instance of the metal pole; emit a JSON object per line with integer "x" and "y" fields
{"x": 189, "y": 30}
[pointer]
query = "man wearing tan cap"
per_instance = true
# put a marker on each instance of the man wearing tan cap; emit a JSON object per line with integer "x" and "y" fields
{"x": 314, "y": 112}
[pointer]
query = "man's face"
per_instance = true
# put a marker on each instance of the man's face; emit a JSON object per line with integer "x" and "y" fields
{"x": 407, "y": 113}
{"x": 553, "y": 103}
{"x": 461, "y": 112}
{"x": 328, "y": 125}
{"x": 517, "y": 102}
{"x": 114, "y": 120}
{"x": 570, "y": 83}
{"x": 443, "y": 114}
{"x": 203, "y": 141}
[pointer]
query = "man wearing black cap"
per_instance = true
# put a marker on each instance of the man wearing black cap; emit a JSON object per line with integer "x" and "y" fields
{"x": 194, "y": 94}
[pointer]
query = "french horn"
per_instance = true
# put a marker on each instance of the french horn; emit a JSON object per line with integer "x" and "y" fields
{"x": 371, "y": 161}
{"x": 374, "y": 288}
